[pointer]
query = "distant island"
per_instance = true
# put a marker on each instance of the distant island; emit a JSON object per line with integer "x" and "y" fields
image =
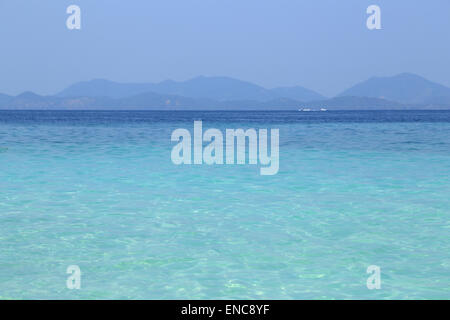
{"x": 403, "y": 91}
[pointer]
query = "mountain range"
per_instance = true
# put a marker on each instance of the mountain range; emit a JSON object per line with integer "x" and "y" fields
{"x": 403, "y": 91}
{"x": 214, "y": 88}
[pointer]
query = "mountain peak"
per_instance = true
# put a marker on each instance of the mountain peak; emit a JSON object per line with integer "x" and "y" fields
{"x": 407, "y": 75}
{"x": 28, "y": 95}
{"x": 407, "y": 88}
{"x": 403, "y": 75}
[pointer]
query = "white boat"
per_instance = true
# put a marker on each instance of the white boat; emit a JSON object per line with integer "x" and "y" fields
{"x": 323, "y": 109}
{"x": 304, "y": 109}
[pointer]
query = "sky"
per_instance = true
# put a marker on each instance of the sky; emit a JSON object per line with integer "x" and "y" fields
{"x": 323, "y": 45}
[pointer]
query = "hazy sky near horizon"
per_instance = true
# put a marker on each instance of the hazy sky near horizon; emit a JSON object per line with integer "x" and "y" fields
{"x": 323, "y": 45}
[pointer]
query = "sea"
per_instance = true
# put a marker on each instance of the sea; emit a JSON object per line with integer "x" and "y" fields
{"x": 98, "y": 190}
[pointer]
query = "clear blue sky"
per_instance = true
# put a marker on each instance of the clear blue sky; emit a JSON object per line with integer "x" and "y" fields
{"x": 323, "y": 45}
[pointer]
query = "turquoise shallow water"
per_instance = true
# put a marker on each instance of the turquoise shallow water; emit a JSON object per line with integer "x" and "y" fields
{"x": 99, "y": 190}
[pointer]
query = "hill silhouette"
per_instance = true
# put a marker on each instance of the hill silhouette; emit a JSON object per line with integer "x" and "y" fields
{"x": 405, "y": 88}
{"x": 403, "y": 91}
{"x": 214, "y": 88}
